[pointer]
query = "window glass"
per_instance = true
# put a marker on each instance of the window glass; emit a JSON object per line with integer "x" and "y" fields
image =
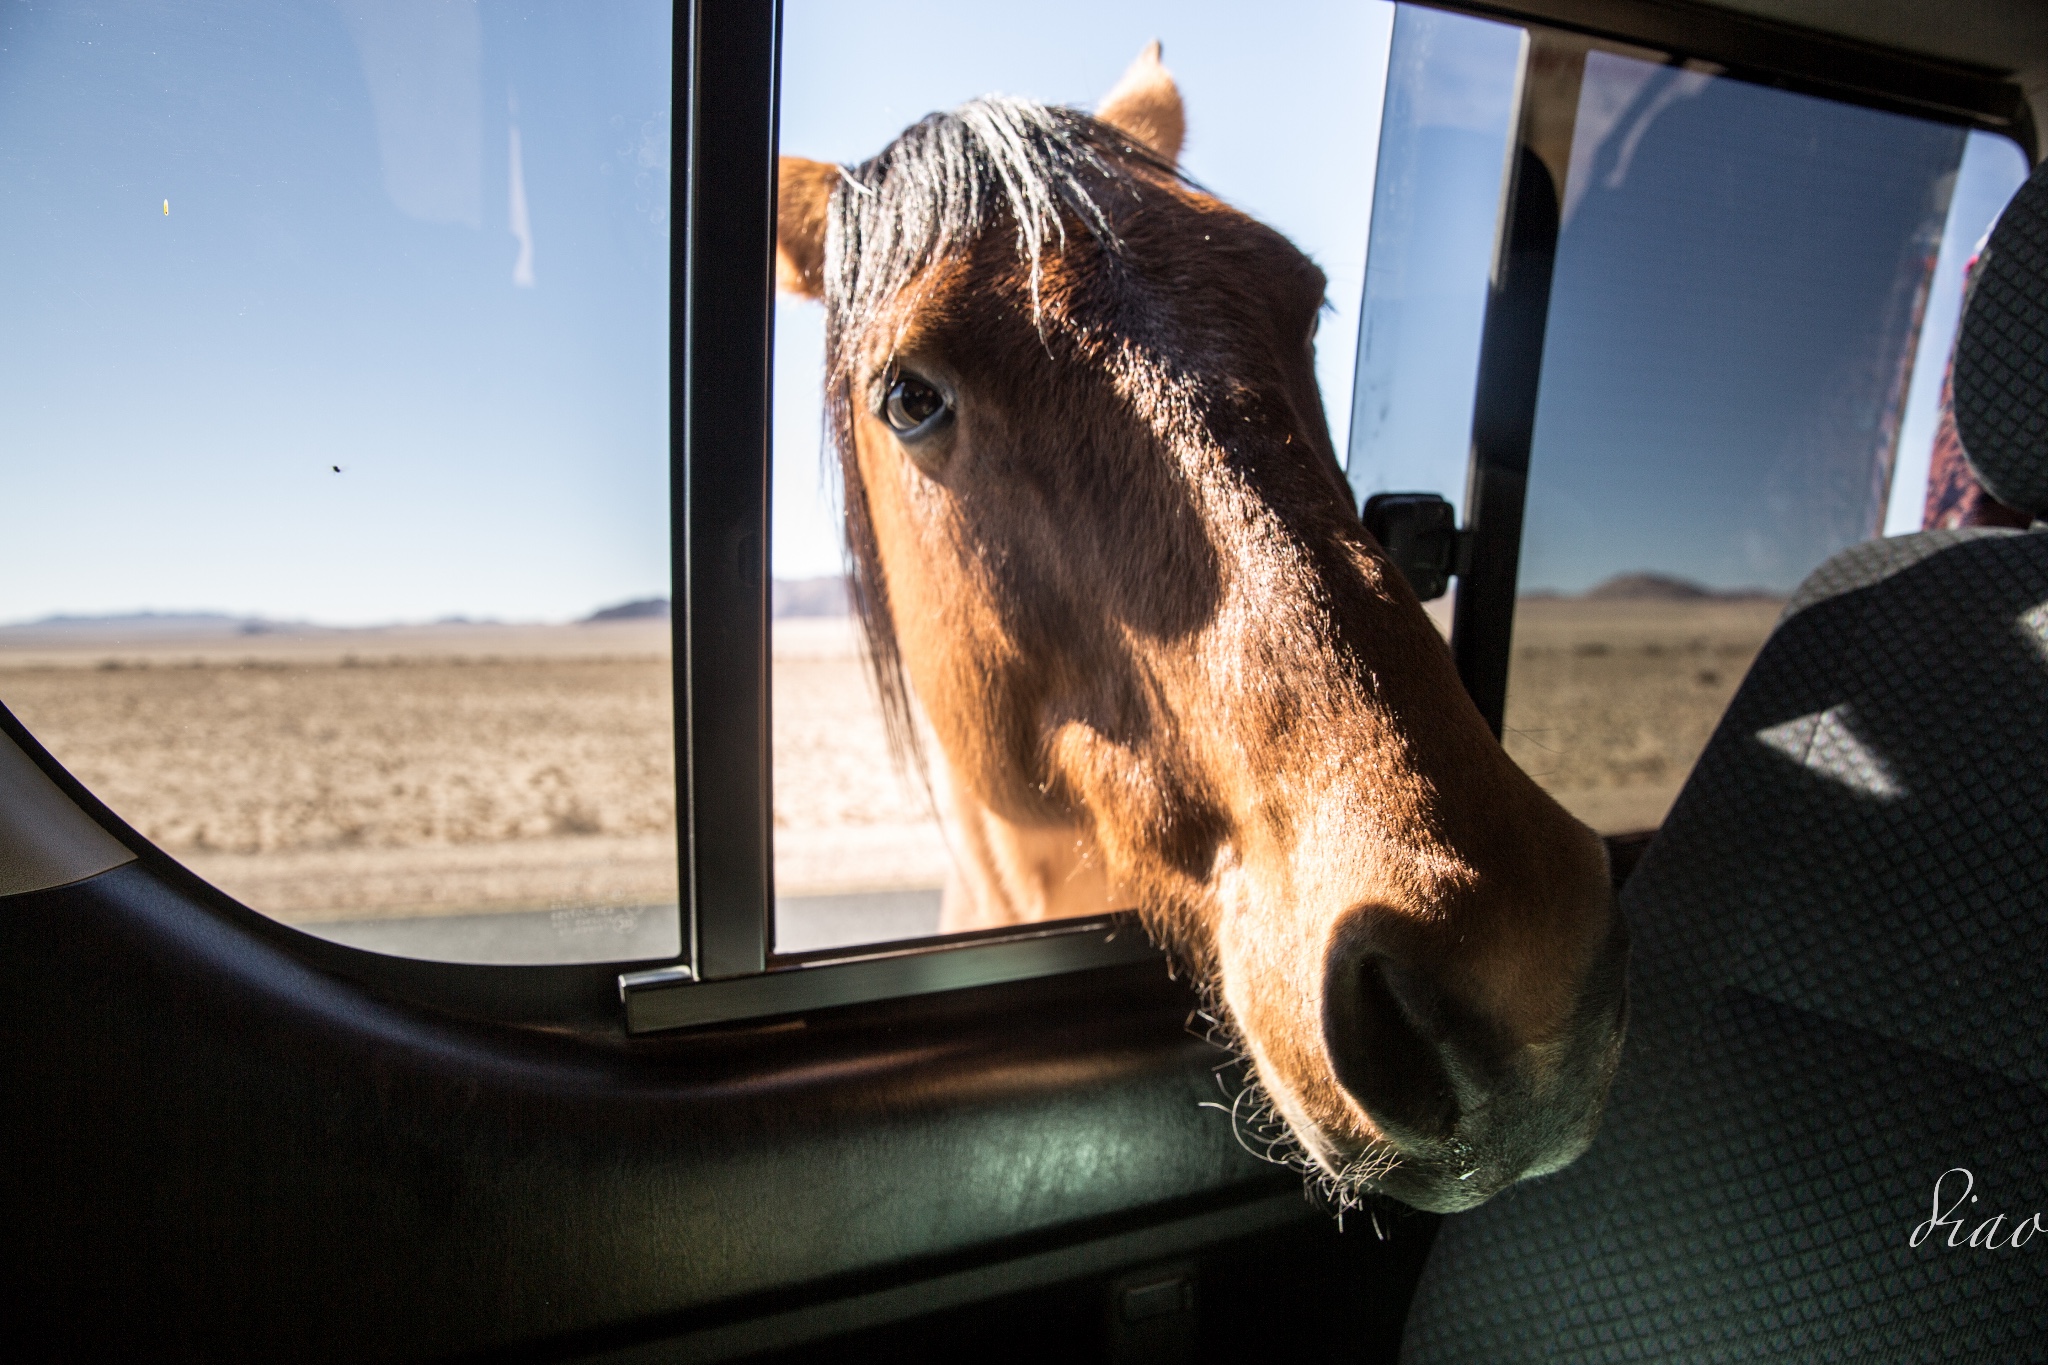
{"x": 336, "y": 381}
{"x": 1283, "y": 107}
{"x": 1451, "y": 83}
{"x": 1993, "y": 169}
{"x": 1739, "y": 285}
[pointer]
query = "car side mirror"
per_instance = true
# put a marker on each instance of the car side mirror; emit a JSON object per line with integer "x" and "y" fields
{"x": 1419, "y": 532}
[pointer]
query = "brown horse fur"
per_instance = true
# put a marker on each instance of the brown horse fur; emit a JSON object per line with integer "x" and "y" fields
{"x": 1167, "y": 666}
{"x": 1145, "y": 103}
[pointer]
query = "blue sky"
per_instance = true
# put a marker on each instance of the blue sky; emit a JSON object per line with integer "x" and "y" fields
{"x": 339, "y": 282}
{"x": 1730, "y": 321}
{"x": 1436, "y": 190}
{"x": 1283, "y": 105}
{"x": 333, "y": 285}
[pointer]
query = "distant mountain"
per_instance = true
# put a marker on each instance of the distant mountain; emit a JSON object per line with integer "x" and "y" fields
{"x": 809, "y": 597}
{"x": 640, "y": 609}
{"x": 154, "y": 623}
{"x": 787, "y": 597}
{"x": 1657, "y": 587}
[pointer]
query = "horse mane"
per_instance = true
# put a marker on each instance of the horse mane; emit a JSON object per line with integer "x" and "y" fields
{"x": 938, "y": 187}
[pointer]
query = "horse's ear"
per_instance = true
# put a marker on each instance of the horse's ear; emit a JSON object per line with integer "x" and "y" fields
{"x": 802, "y": 189}
{"x": 1145, "y": 103}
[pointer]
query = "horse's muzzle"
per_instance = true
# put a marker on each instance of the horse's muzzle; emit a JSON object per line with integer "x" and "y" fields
{"x": 1468, "y": 1106}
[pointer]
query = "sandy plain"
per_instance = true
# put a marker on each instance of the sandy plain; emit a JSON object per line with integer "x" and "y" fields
{"x": 1610, "y": 702}
{"x": 347, "y": 775}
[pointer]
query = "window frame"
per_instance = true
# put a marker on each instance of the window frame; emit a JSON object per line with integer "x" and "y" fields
{"x": 721, "y": 357}
{"x": 722, "y": 328}
{"x": 1560, "y": 34}
{"x": 726, "y": 58}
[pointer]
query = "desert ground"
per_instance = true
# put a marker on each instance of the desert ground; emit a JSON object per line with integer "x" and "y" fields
{"x": 1610, "y": 702}
{"x": 345, "y": 775}
{"x": 846, "y": 818}
{"x": 330, "y": 775}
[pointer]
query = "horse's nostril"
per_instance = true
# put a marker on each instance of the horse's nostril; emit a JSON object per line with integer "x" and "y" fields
{"x": 1472, "y": 1090}
{"x": 1387, "y": 1028}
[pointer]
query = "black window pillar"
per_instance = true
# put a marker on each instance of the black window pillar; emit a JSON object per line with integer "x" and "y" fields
{"x": 719, "y": 411}
{"x": 1511, "y": 363}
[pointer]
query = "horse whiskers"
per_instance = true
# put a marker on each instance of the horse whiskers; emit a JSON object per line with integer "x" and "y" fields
{"x": 1258, "y": 1126}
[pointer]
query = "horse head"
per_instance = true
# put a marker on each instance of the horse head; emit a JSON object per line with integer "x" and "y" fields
{"x": 1096, "y": 520}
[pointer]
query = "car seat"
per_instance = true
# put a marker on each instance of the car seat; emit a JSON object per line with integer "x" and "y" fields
{"x": 1836, "y": 1076}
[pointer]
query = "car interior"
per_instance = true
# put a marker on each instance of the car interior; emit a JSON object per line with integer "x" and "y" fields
{"x": 1701, "y": 253}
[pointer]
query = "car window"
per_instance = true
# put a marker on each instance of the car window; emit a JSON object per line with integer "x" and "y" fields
{"x": 1742, "y": 281}
{"x": 1437, "y": 186}
{"x": 336, "y": 373}
{"x": 339, "y": 387}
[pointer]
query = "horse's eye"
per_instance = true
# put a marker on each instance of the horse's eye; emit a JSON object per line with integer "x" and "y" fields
{"x": 913, "y": 407}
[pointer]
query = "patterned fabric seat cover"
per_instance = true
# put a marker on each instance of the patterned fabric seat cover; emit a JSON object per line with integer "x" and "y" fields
{"x": 1839, "y": 989}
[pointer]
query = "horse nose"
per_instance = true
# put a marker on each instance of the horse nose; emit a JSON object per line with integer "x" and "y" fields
{"x": 1470, "y": 1101}
{"x": 1411, "y": 1056}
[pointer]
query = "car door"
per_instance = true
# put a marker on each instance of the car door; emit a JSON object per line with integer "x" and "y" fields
{"x": 600, "y": 1103}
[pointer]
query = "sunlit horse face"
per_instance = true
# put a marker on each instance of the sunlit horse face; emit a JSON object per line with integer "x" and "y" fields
{"x": 1096, "y": 518}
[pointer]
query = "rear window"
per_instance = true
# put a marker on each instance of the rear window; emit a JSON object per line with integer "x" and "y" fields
{"x": 1743, "y": 279}
{"x": 1753, "y": 297}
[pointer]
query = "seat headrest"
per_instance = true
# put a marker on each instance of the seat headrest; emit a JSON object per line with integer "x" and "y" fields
{"x": 2001, "y": 375}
